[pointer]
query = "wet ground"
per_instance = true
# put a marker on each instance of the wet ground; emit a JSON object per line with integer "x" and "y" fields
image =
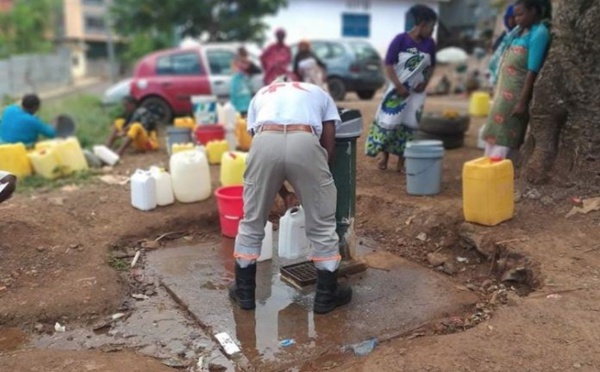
{"x": 391, "y": 298}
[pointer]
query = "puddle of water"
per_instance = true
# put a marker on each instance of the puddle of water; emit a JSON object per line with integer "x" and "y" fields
{"x": 156, "y": 327}
{"x": 385, "y": 302}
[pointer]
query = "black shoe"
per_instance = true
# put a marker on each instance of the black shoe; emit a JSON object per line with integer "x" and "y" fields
{"x": 242, "y": 290}
{"x": 329, "y": 295}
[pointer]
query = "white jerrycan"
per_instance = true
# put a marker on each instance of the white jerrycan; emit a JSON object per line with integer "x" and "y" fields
{"x": 143, "y": 190}
{"x": 164, "y": 187}
{"x": 480, "y": 139}
{"x": 266, "y": 250}
{"x": 293, "y": 243}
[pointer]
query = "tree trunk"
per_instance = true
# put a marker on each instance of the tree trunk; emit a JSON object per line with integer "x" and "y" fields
{"x": 564, "y": 138}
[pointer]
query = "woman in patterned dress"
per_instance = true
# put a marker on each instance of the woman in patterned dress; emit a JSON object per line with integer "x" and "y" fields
{"x": 525, "y": 50}
{"x": 409, "y": 64}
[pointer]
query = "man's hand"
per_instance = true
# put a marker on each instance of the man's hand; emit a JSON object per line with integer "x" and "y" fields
{"x": 421, "y": 87}
{"x": 328, "y": 140}
{"x": 520, "y": 110}
{"x": 402, "y": 91}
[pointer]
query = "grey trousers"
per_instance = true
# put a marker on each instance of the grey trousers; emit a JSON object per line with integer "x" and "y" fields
{"x": 299, "y": 158}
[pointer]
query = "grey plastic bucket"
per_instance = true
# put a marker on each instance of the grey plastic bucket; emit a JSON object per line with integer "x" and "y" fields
{"x": 423, "y": 168}
{"x": 178, "y": 135}
{"x": 425, "y": 143}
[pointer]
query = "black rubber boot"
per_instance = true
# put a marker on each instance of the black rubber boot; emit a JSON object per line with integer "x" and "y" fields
{"x": 329, "y": 295}
{"x": 242, "y": 291}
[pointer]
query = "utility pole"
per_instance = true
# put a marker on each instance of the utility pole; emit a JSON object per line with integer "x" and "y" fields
{"x": 110, "y": 43}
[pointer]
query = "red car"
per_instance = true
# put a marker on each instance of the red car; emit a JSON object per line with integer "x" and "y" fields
{"x": 164, "y": 81}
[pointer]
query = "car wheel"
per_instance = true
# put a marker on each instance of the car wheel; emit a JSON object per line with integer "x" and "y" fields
{"x": 160, "y": 108}
{"x": 451, "y": 141}
{"x": 337, "y": 88}
{"x": 444, "y": 126}
{"x": 366, "y": 94}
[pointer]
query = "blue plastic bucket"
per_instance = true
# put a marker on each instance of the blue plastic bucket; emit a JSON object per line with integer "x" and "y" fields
{"x": 424, "y": 167}
{"x": 178, "y": 135}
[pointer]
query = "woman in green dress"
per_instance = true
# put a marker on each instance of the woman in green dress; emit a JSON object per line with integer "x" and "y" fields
{"x": 525, "y": 49}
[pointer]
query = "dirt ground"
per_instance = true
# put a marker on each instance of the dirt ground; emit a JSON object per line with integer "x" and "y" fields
{"x": 58, "y": 249}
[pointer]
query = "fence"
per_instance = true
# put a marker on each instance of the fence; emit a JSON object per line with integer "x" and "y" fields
{"x": 34, "y": 72}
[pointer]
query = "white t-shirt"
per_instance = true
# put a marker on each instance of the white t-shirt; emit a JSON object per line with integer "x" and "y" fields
{"x": 292, "y": 103}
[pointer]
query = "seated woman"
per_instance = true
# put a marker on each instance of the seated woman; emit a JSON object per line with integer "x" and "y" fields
{"x": 20, "y": 124}
{"x": 524, "y": 51}
{"x": 138, "y": 128}
{"x": 8, "y": 184}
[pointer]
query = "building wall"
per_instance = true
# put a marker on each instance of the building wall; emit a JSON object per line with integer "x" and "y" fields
{"x": 33, "y": 73}
{"x": 85, "y": 20}
{"x": 313, "y": 19}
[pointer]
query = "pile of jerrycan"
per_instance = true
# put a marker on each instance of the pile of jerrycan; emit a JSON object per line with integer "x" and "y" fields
{"x": 216, "y": 135}
{"x": 487, "y": 183}
{"x": 50, "y": 159}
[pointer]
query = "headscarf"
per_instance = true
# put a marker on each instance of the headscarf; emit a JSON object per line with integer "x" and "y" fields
{"x": 510, "y": 13}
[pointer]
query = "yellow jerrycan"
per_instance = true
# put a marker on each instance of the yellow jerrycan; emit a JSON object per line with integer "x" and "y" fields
{"x": 45, "y": 163}
{"x": 479, "y": 104}
{"x": 233, "y": 165}
{"x": 13, "y": 159}
{"x": 244, "y": 139}
{"x": 215, "y": 150}
{"x": 488, "y": 191}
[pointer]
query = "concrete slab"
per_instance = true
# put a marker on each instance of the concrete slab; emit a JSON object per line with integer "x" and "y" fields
{"x": 392, "y": 297}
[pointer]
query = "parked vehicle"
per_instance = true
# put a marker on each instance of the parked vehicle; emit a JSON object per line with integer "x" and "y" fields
{"x": 165, "y": 81}
{"x": 115, "y": 93}
{"x": 352, "y": 66}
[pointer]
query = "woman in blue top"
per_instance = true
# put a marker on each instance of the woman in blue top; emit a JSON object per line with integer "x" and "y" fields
{"x": 525, "y": 49}
{"x": 19, "y": 123}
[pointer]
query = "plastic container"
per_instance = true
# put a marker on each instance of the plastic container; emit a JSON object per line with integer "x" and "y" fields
{"x": 190, "y": 176}
{"x": 479, "y": 104}
{"x": 480, "y": 140}
{"x": 205, "y": 109}
{"x": 488, "y": 191}
{"x": 228, "y": 116}
{"x": 45, "y": 163}
{"x": 177, "y": 135}
{"x": 143, "y": 190}
{"x": 14, "y": 160}
{"x": 215, "y": 151}
{"x": 423, "y": 169}
{"x": 266, "y": 249}
{"x": 185, "y": 122}
{"x": 231, "y": 209}
{"x": 233, "y": 166}
{"x": 244, "y": 139}
{"x": 105, "y": 154}
{"x": 207, "y": 133}
{"x": 293, "y": 243}
{"x": 179, "y": 147}
{"x": 70, "y": 156}
{"x": 164, "y": 186}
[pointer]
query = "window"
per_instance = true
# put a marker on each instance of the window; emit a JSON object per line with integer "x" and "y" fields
{"x": 356, "y": 25}
{"x": 337, "y": 51}
{"x": 321, "y": 50}
{"x": 94, "y": 24}
{"x": 179, "y": 64}
{"x": 364, "y": 51}
{"x": 220, "y": 61}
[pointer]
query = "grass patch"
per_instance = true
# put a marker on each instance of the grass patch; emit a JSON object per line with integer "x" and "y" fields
{"x": 118, "y": 264}
{"x": 36, "y": 182}
{"x": 93, "y": 120}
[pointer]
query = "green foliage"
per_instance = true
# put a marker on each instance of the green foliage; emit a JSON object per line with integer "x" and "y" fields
{"x": 141, "y": 44}
{"x": 26, "y": 27}
{"x": 35, "y": 182}
{"x": 239, "y": 20}
{"x": 93, "y": 120}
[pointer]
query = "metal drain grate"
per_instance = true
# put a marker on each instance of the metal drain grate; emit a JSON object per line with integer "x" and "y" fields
{"x": 301, "y": 274}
